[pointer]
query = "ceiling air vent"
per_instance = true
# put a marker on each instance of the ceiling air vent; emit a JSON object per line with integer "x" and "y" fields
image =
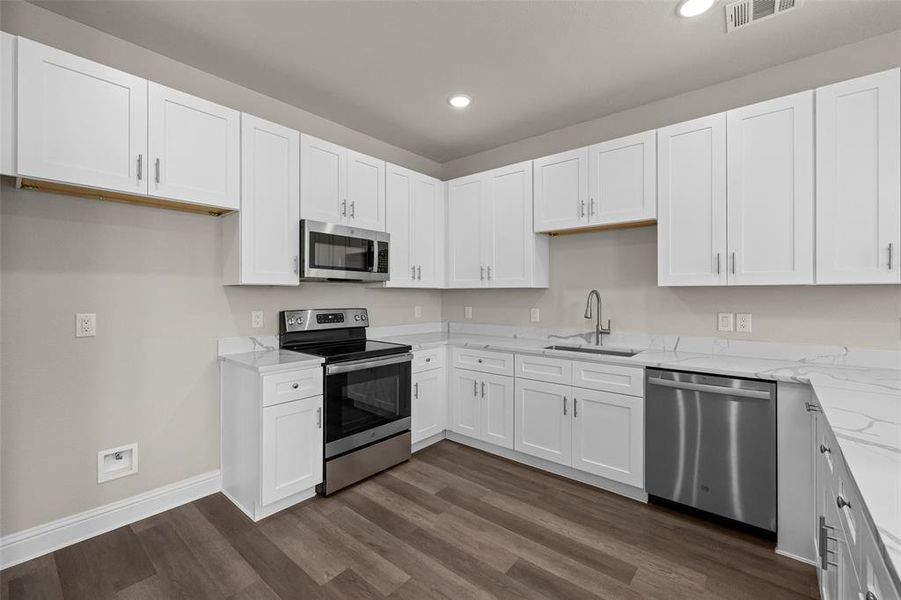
{"x": 745, "y": 12}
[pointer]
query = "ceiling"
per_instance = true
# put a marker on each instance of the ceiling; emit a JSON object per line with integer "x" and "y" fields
{"x": 386, "y": 68}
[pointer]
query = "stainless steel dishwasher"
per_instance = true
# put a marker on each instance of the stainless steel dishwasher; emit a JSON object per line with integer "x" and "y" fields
{"x": 710, "y": 443}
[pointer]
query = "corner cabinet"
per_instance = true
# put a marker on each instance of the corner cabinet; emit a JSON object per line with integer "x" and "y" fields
{"x": 260, "y": 243}
{"x": 272, "y": 436}
{"x": 338, "y": 185}
{"x": 491, "y": 240}
{"x": 415, "y": 208}
{"x": 614, "y": 182}
{"x": 858, "y": 180}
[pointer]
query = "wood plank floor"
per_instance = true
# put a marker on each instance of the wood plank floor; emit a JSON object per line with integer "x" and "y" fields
{"x": 451, "y": 523}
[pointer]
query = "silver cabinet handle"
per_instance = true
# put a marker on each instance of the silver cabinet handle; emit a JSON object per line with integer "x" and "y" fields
{"x": 475, "y": 388}
{"x": 581, "y": 208}
{"x": 842, "y": 503}
{"x": 891, "y": 255}
{"x": 353, "y": 209}
{"x": 717, "y": 263}
{"x": 481, "y": 272}
{"x": 483, "y": 389}
{"x": 296, "y": 265}
{"x": 416, "y": 391}
{"x": 140, "y": 167}
{"x": 575, "y": 408}
{"x": 412, "y": 271}
{"x": 591, "y": 207}
{"x": 811, "y": 407}
{"x": 489, "y": 272}
{"x": 157, "y": 175}
{"x": 319, "y": 418}
{"x": 871, "y": 596}
{"x": 824, "y": 449}
{"x": 733, "y": 263}
{"x": 564, "y": 405}
{"x": 419, "y": 272}
{"x": 344, "y": 208}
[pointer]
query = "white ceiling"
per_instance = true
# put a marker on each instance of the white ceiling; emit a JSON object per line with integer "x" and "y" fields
{"x": 386, "y": 68}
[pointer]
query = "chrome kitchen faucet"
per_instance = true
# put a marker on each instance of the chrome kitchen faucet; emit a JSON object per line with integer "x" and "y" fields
{"x": 598, "y": 330}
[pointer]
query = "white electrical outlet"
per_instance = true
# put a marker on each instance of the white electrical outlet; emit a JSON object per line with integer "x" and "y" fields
{"x": 743, "y": 322}
{"x": 85, "y": 325}
{"x": 114, "y": 463}
{"x": 417, "y": 312}
{"x": 725, "y": 322}
{"x": 534, "y": 315}
{"x": 467, "y": 312}
{"x": 256, "y": 319}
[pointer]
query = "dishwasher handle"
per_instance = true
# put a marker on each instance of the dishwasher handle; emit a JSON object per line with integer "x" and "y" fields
{"x": 710, "y": 389}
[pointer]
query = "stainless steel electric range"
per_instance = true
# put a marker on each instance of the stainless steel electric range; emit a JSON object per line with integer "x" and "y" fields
{"x": 366, "y": 385}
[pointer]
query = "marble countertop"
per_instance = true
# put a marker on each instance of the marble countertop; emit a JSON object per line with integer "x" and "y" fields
{"x": 861, "y": 403}
{"x": 272, "y": 361}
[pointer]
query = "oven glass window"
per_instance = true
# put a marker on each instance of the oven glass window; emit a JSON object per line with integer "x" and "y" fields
{"x": 330, "y": 251}
{"x": 357, "y": 401}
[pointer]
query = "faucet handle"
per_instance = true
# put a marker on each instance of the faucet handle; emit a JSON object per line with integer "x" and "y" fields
{"x": 606, "y": 329}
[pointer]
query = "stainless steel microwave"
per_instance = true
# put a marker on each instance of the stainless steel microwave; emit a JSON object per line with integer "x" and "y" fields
{"x": 338, "y": 252}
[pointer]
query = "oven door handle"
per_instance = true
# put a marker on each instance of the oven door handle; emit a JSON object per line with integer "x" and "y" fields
{"x": 359, "y": 365}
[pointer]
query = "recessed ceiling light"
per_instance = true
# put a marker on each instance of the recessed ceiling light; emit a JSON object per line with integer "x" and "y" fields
{"x": 693, "y": 8}
{"x": 459, "y": 100}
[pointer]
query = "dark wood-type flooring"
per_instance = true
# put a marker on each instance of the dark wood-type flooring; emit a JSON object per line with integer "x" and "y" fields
{"x": 452, "y": 523}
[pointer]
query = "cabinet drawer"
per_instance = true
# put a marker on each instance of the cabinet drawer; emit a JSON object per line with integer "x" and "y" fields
{"x": 426, "y": 360}
{"x": 293, "y": 385}
{"x": 609, "y": 378}
{"x": 542, "y": 368}
{"x": 872, "y": 571}
{"x": 485, "y": 361}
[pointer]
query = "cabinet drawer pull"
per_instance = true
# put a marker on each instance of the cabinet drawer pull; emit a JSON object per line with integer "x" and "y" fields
{"x": 483, "y": 389}
{"x": 575, "y": 408}
{"x": 481, "y": 272}
{"x": 475, "y": 388}
{"x": 824, "y": 449}
{"x": 733, "y": 263}
{"x": 319, "y": 418}
{"x": 295, "y": 385}
{"x": 413, "y": 272}
{"x": 353, "y": 209}
{"x": 842, "y": 503}
{"x": 141, "y": 168}
{"x": 591, "y": 207}
{"x": 157, "y": 175}
{"x": 717, "y": 263}
{"x": 428, "y": 359}
{"x": 811, "y": 407}
{"x": 581, "y": 208}
{"x": 416, "y": 391}
{"x": 871, "y": 596}
{"x": 564, "y": 405}
{"x": 891, "y": 255}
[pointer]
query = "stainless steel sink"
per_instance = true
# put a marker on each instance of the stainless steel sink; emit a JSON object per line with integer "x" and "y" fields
{"x": 597, "y": 350}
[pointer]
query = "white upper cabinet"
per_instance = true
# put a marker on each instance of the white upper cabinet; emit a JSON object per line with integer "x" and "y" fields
{"x": 691, "y": 220}
{"x": 561, "y": 191}
{"x": 80, "y": 122}
{"x": 770, "y": 199}
{"x": 261, "y": 241}
{"x": 622, "y": 185}
{"x": 8, "y": 68}
{"x": 414, "y": 207}
{"x": 323, "y": 180}
{"x": 858, "y": 180}
{"x": 466, "y": 197}
{"x": 338, "y": 185}
{"x": 195, "y": 149}
{"x": 491, "y": 239}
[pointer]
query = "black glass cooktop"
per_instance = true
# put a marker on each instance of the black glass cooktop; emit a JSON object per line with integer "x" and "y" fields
{"x": 350, "y": 350}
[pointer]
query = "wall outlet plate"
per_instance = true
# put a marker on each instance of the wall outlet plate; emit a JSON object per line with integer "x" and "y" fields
{"x": 417, "y": 312}
{"x": 114, "y": 463}
{"x": 467, "y": 312}
{"x": 743, "y": 322}
{"x": 535, "y": 315}
{"x": 85, "y": 325}
{"x": 725, "y": 322}
{"x": 256, "y": 319}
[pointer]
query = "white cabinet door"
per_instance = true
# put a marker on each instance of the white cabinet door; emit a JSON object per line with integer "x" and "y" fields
{"x": 561, "y": 191}
{"x": 770, "y": 200}
{"x": 507, "y": 236}
{"x": 466, "y": 197}
{"x": 543, "y": 422}
{"x": 466, "y": 404}
{"x": 399, "y": 223}
{"x": 691, "y": 210}
{"x": 622, "y": 186}
{"x": 429, "y": 407}
{"x": 496, "y": 393}
{"x": 80, "y": 122}
{"x": 428, "y": 231}
{"x": 195, "y": 148}
{"x": 323, "y": 180}
{"x": 608, "y": 436}
{"x": 270, "y": 203}
{"x": 291, "y": 448}
{"x": 365, "y": 191}
{"x": 858, "y": 205}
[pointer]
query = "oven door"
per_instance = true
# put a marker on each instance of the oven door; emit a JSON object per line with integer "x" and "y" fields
{"x": 332, "y": 251}
{"x": 366, "y": 401}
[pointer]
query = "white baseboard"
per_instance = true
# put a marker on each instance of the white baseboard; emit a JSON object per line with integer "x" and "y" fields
{"x": 796, "y": 557}
{"x": 417, "y": 446}
{"x": 37, "y": 541}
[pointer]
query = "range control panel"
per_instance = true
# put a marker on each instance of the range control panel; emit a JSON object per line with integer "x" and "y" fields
{"x": 313, "y": 319}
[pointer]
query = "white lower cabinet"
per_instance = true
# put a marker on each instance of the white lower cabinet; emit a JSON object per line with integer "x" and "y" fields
{"x": 608, "y": 435}
{"x": 429, "y": 404}
{"x": 482, "y": 406}
{"x": 292, "y": 448}
{"x": 543, "y": 425}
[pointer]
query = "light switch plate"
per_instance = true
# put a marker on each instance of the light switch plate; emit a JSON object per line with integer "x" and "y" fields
{"x": 256, "y": 319}
{"x": 467, "y": 312}
{"x": 535, "y": 315}
{"x": 725, "y": 322}
{"x": 743, "y": 322}
{"x": 85, "y": 325}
